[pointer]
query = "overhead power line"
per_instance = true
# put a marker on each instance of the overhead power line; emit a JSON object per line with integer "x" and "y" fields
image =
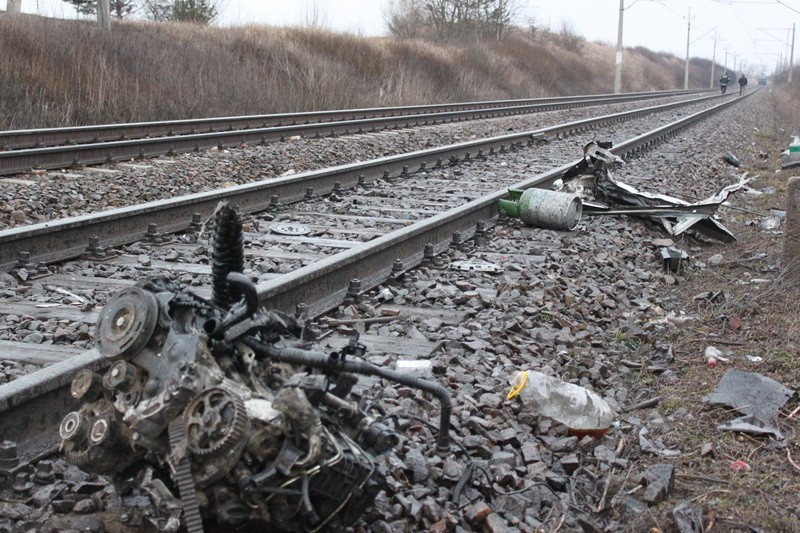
{"x": 787, "y": 7}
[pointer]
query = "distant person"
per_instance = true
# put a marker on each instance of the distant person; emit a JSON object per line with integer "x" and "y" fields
{"x": 723, "y": 83}
{"x": 742, "y": 84}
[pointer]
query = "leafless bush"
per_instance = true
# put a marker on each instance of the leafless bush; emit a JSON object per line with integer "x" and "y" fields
{"x": 568, "y": 38}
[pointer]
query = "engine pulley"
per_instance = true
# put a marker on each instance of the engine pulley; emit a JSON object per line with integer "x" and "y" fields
{"x": 126, "y": 323}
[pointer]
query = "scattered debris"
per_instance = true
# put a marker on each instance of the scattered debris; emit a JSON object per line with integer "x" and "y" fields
{"x": 712, "y": 296}
{"x": 713, "y": 354}
{"x": 672, "y": 258}
{"x": 656, "y": 447}
{"x": 770, "y": 223}
{"x": 756, "y": 396}
{"x": 740, "y": 466}
{"x": 283, "y": 228}
{"x": 416, "y": 367}
{"x": 618, "y": 198}
{"x": 476, "y": 265}
{"x": 754, "y": 358}
{"x": 731, "y": 159}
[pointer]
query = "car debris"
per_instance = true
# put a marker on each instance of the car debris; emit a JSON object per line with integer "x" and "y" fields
{"x": 476, "y": 265}
{"x": 731, "y": 159}
{"x": 713, "y": 355}
{"x": 672, "y": 258}
{"x": 217, "y": 413}
{"x": 617, "y": 198}
{"x": 756, "y": 396}
{"x": 285, "y": 228}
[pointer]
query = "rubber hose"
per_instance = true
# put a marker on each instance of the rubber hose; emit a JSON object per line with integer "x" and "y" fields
{"x": 325, "y": 362}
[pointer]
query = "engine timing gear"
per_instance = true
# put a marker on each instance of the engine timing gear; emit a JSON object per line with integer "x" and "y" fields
{"x": 214, "y": 421}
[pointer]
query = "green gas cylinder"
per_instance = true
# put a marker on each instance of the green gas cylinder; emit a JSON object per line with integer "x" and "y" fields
{"x": 543, "y": 208}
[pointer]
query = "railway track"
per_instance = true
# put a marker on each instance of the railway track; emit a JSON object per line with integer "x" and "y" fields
{"x": 53, "y": 241}
{"x": 23, "y": 150}
{"x": 320, "y": 268}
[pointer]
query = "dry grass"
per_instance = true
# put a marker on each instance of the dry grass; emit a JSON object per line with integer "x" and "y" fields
{"x": 58, "y": 72}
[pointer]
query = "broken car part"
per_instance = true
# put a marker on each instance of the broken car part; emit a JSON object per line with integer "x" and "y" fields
{"x": 672, "y": 258}
{"x": 617, "y": 198}
{"x": 755, "y": 396}
{"x": 283, "y": 228}
{"x": 731, "y": 159}
{"x": 476, "y": 265}
{"x": 217, "y": 413}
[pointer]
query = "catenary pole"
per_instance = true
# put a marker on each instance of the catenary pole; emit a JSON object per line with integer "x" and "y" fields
{"x": 618, "y": 56}
{"x": 686, "y": 68}
{"x": 713, "y": 60}
{"x": 791, "y": 55}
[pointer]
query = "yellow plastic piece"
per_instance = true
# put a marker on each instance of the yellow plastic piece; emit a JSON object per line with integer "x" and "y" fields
{"x": 519, "y": 382}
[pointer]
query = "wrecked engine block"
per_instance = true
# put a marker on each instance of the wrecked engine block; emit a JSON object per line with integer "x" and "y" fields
{"x": 189, "y": 399}
{"x": 214, "y": 413}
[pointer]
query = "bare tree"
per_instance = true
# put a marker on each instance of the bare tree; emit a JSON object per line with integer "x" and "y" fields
{"x": 569, "y": 38}
{"x": 158, "y": 10}
{"x": 119, "y": 8}
{"x": 315, "y": 15}
{"x": 197, "y": 11}
{"x": 451, "y": 19}
{"x": 405, "y": 18}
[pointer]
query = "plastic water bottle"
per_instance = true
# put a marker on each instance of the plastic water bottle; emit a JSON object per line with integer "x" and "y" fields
{"x": 581, "y": 410}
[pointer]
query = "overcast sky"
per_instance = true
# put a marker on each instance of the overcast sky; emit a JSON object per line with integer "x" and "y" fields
{"x": 754, "y": 32}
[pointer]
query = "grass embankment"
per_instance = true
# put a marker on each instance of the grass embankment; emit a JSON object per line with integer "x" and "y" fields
{"x": 66, "y": 72}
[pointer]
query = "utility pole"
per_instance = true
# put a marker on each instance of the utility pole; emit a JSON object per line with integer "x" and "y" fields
{"x": 104, "y": 14}
{"x": 13, "y": 6}
{"x": 618, "y": 56}
{"x": 726, "y": 59}
{"x": 686, "y": 68}
{"x": 791, "y": 55}
{"x": 713, "y": 60}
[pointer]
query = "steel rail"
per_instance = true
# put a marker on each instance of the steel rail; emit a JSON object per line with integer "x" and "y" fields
{"x": 44, "y": 137}
{"x": 62, "y": 239}
{"x": 32, "y": 406}
{"x": 17, "y": 161}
